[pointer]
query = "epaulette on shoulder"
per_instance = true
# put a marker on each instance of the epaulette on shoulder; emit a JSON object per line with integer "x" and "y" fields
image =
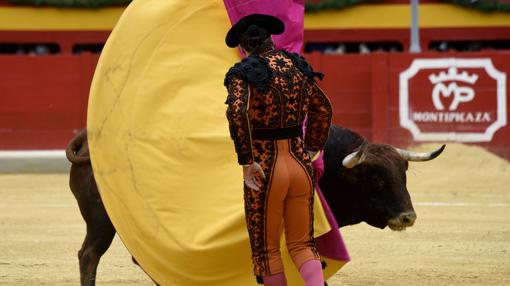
{"x": 234, "y": 70}
{"x": 301, "y": 63}
{"x": 253, "y": 69}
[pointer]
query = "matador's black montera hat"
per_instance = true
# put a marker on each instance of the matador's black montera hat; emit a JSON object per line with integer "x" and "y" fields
{"x": 272, "y": 24}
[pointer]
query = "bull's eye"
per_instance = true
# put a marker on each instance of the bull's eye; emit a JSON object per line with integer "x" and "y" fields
{"x": 377, "y": 182}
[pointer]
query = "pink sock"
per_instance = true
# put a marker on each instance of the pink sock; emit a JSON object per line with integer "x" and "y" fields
{"x": 311, "y": 272}
{"x": 275, "y": 280}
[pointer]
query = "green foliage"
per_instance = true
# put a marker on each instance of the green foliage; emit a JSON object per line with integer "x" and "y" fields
{"x": 310, "y": 5}
{"x": 316, "y": 5}
{"x": 72, "y": 3}
{"x": 484, "y": 5}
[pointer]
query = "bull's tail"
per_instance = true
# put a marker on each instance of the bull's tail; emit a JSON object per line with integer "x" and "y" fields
{"x": 77, "y": 151}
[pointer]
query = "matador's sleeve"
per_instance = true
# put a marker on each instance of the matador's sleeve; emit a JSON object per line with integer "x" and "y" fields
{"x": 318, "y": 119}
{"x": 237, "y": 115}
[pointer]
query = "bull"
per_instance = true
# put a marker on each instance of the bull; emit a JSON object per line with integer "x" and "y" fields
{"x": 100, "y": 230}
{"x": 362, "y": 182}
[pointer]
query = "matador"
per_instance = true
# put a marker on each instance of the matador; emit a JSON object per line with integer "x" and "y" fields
{"x": 271, "y": 94}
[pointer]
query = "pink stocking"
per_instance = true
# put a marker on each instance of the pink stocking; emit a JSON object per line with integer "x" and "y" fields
{"x": 311, "y": 272}
{"x": 275, "y": 280}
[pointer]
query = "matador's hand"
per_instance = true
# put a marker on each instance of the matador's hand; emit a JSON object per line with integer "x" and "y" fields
{"x": 252, "y": 176}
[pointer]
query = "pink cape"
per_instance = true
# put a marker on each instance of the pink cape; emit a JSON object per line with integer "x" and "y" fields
{"x": 291, "y": 12}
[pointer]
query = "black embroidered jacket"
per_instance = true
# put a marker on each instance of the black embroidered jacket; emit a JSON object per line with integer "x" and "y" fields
{"x": 275, "y": 90}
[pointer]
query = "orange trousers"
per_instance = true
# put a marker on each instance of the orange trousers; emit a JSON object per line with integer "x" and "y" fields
{"x": 289, "y": 206}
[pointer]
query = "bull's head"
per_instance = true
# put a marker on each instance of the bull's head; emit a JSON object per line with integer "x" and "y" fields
{"x": 379, "y": 174}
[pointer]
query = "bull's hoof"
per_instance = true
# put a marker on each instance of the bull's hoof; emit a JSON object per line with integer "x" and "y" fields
{"x": 91, "y": 281}
{"x": 134, "y": 261}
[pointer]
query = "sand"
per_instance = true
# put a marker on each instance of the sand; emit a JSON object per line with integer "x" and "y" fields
{"x": 461, "y": 237}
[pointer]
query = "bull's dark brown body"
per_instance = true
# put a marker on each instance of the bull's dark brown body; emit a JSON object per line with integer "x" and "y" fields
{"x": 372, "y": 191}
{"x": 100, "y": 230}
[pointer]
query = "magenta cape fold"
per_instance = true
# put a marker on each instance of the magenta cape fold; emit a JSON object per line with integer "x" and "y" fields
{"x": 291, "y": 12}
{"x": 331, "y": 244}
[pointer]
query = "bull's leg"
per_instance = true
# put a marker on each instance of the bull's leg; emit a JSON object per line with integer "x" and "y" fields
{"x": 100, "y": 233}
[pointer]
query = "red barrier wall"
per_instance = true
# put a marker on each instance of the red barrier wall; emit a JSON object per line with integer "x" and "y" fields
{"x": 43, "y": 99}
{"x": 66, "y": 40}
{"x": 365, "y": 91}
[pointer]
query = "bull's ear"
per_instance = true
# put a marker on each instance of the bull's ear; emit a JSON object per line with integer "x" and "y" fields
{"x": 355, "y": 158}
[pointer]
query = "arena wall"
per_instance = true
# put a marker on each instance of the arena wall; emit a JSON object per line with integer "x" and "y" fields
{"x": 366, "y": 91}
{"x": 44, "y": 98}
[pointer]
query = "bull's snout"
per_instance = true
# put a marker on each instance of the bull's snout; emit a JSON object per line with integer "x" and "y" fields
{"x": 402, "y": 221}
{"x": 407, "y": 219}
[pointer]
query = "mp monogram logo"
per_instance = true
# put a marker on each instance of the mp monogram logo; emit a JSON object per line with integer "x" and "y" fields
{"x": 452, "y": 99}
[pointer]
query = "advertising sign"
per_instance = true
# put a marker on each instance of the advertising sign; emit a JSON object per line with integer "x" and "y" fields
{"x": 452, "y": 99}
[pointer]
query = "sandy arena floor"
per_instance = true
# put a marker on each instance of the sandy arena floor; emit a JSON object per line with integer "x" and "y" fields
{"x": 461, "y": 237}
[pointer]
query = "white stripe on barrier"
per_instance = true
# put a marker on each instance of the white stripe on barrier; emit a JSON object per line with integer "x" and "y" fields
{"x": 38, "y": 205}
{"x": 34, "y": 161}
{"x": 33, "y": 154}
{"x": 460, "y": 204}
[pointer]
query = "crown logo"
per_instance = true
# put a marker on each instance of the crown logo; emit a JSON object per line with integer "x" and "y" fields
{"x": 453, "y": 75}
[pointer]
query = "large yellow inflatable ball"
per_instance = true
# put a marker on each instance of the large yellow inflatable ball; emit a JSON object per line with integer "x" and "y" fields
{"x": 161, "y": 150}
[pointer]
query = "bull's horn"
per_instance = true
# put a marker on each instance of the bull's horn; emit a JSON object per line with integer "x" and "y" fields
{"x": 352, "y": 160}
{"x": 417, "y": 156}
